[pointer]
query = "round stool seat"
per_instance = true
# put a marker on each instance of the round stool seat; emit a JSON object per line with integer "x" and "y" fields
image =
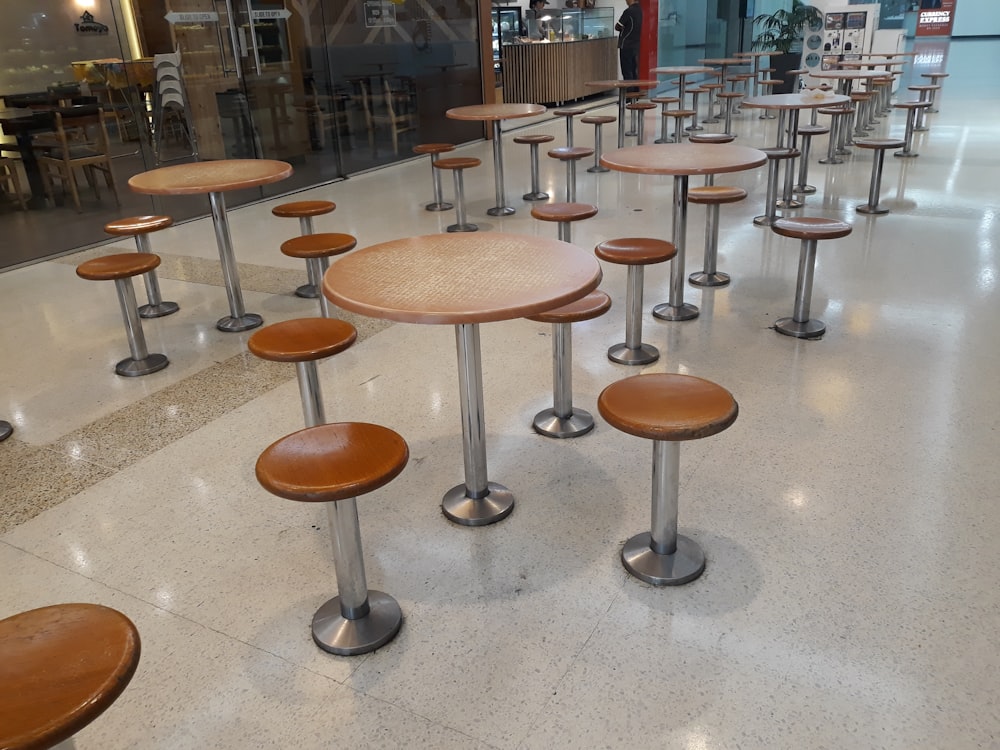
{"x": 797, "y": 72}
{"x": 635, "y": 251}
{"x": 665, "y": 100}
{"x": 457, "y": 162}
{"x": 569, "y": 112}
{"x": 62, "y": 667}
{"x": 771, "y": 82}
{"x": 729, "y": 95}
{"x": 714, "y": 86}
{"x": 564, "y": 211}
{"x": 322, "y": 245}
{"x": 911, "y": 105}
{"x": 777, "y": 154}
{"x": 137, "y": 225}
{"x": 302, "y": 209}
{"x": 568, "y": 153}
{"x": 924, "y": 87}
{"x": 594, "y": 305}
{"x": 716, "y": 195}
{"x": 640, "y": 105}
{"x": 664, "y": 406}
{"x": 932, "y": 76}
{"x": 812, "y": 130}
{"x": 712, "y": 138}
{"x": 332, "y": 462}
{"x": 597, "y": 120}
{"x": 836, "y": 111}
{"x": 302, "y": 340}
{"x": 682, "y": 113}
{"x": 122, "y": 266}
{"x": 811, "y": 228}
{"x": 879, "y": 143}
{"x": 534, "y": 138}
{"x": 433, "y": 148}
{"x": 861, "y": 96}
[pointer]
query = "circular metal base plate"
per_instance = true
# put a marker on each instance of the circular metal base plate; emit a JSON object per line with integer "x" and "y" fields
{"x": 844, "y": 151}
{"x": 463, "y": 228}
{"x": 709, "y": 279}
{"x": 500, "y": 211}
{"x": 864, "y": 208}
{"x": 921, "y": 130}
{"x": 711, "y": 120}
{"x": 439, "y": 206}
{"x": 906, "y": 154}
{"x": 693, "y": 128}
{"x": 133, "y": 368}
{"x": 932, "y": 111}
{"x": 335, "y": 633}
{"x": 831, "y": 161}
{"x": 598, "y": 168}
{"x": 5, "y": 431}
{"x": 245, "y": 322}
{"x": 631, "y": 132}
{"x": 803, "y": 189}
{"x": 666, "y": 311}
{"x": 788, "y": 204}
{"x": 808, "y": 330}
{"x": 158, "y": 311}
{"x": 645, "y": 354}
{"x": 308, "y": 291}
{"x": 763, "y": 221}
{"x": 457, "y": 506}
{"x": 550, "y": 424}
{"x": 684, "y": 565}
{"x": 535, "y": 196}
{"x": 664, "y": 140}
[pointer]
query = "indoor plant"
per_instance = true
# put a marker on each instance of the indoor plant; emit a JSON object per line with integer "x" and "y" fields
{"x": 782, "y": 31}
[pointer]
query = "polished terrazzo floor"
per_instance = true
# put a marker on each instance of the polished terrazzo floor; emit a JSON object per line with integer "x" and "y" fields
{"x": 848, "y": 516}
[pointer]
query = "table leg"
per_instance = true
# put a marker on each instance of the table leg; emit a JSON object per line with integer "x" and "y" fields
{"x": 240, "y": 319}
{"x": 478, "y": 501}
{"x": 787, "y": 201}
{"x": 501, "y": 208}
{"x": 621, "y": 118}
{"x": 676, "y": 308}
{"x": 32, "y": 171}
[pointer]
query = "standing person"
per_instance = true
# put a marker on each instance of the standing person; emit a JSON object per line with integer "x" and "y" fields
{"x": 629, "y": 28}
{"x": 536, "y": 12}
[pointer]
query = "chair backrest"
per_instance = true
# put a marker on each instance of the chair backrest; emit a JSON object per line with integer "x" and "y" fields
{"x": 74, "y": 125}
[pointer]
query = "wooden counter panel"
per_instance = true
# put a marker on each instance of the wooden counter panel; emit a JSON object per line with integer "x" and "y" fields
{"x": 557, "y": 71}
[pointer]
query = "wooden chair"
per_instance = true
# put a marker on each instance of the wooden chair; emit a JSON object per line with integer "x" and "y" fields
{"x": 397, "y": 121}
{"x": 8, "y": 174}
{"x": 80, "y": 142}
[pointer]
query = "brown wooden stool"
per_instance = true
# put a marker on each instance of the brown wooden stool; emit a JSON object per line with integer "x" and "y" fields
{"x": 935, "y": 79}
{"x": 926, "y": 95}
{"x": 666, "y": 409}
{"x": 729, "y": 97}
{"x": 664, "y": 102}
{"x": 435, "y": 150}
{"x": 316, "y": 250}
{"x": 639, "y": 108}
{"x": 636, "y": 253}
{"x": 457, "y": 165}
{"x": 304, "y": 211}
{"x": 862, "y": 101}
{"x": 61, "y": 667}
{"x": 570, "y": 156}
{"x": 712, "y": 196}
{"x": 879, "y": 145}
{"x": 121, "y": 269}
{"x": 809, "y": 229}
{"x": 304, "y": 341}
{"x": 569, "y": 114}
{"x": 562, "y": 420}
{"x": 806, "y": 133}
{"x": 140, "y": 228}
{"x": 533, "y": 140}
{"x": 911, "y": 113}
{"x": 564, "y": 214}
{"x": 774, "y": 155}
{"x": 334, "y": 464}
{"x": 598, "y": 121}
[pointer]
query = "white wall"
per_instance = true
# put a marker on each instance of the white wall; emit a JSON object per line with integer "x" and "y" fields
{"x": 976, "y": 18}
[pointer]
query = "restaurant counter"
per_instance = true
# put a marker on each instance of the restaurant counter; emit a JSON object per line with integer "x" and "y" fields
{"x": 551, "y": 72}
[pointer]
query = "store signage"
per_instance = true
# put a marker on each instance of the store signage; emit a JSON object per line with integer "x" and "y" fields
{"x": 935, "y": 17}
{"x": 88, "y": 25}
{"x": 174, "y": 17}
{"x": 269, "y": 15}
{"x": 379, "y": 13}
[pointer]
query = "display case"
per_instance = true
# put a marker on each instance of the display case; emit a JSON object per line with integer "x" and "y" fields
{"x": 507, "y": 26}
{"x": 572, "y": 24}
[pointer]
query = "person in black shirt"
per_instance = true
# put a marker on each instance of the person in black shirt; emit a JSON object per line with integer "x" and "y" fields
{"x": 629, "y": 28}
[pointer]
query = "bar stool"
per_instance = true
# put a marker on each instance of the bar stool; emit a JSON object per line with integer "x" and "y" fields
{"x": 457, "y": 165}
{"x": 926, "y": 92}
{"x": 304, "y": 211}
{"x": 564, "y": 214}
{"x": 435, "y": 149}
{"x": 533, "y": 140}
{"x": 667, "y": 409}
{"x": 140, "y": 228}
{"x": 570, "y": 156}
{"x": 316, "y": 250}
{"x": 911, "y": 112}
{"x": 729, "y": 97}
{"x": 935, "y": 79}
{"x": 597, "y": 121}
{"x": 62, "y": 666}
{"x": 569, "y": 114}
{"x": 839, "y": 116}
{"x": 304, "y": 341}
{"x": 712, "y": 88}
{"x": 768, "y": 85}
{"x": 333, "y": 464}
{"x": 639, "y": 108}
{"x": 562, "y": 420}
{"x": 774, "y": 155}
{"x": 679, "y": 115}
{"x": 712, "y": 196}
{"x": 694, "y": 126}
{"x": 636, "y": 253}
{"x": 879, "y": 145}
{"x": 809, "y": 229}
{"x": 121, "y": 269}
{"x": 796, "y": 76}
{"x": 664, "y": 102}
{"x": 862, "y": 102}
{"x": 806, "y": 133}
{"x": 744, "y": 79}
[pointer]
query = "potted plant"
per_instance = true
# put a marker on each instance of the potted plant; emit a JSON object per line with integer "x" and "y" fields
{"x": 782, "y": 31}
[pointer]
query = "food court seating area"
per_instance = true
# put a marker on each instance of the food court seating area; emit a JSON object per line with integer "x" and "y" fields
{"x": 848, "y": 515}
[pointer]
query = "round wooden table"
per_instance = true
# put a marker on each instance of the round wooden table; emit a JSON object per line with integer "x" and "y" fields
{"x": 845, "y": 78}
{"x": 464, "y": 280}
{"x": 681, "y": 161}
{"x": 495, "y": 113}
{"x": 682, "y": 72}
{"x": 755, "y": 56}
{"x": 623, "y": 86}
{"x": 724, "y": 63}
{"x": 215, "y": 178}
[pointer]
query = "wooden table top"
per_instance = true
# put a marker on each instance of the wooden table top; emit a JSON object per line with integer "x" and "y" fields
{"x": 461, "y": 278}
{"x": 622, "y": 84}
{"x": 865, "y": 63}
{"x": 684, "y": 159}
{"x": 756, "y": 54}
{"x": 494, "y": 111}
{"x": 848, "y": 74}
{"x": 723, "y": 61}
{"x": 682, "y": 70}
{"x": 794, "y": 101}
{"x": 210, "y": 176}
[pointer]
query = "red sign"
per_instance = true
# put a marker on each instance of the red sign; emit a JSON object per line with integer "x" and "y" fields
{"x": 935, "y": 17}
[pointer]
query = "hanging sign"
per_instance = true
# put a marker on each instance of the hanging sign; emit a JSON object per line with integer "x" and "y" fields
{"x": 935, "y": 17}
{"x": 379, "y": 13}
{"x": 174, "y": 17}
{"x": 269, "y": 15}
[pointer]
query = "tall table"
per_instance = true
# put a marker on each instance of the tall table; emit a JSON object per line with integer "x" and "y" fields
{"x": 623, "y": 86}
{"x": 682, "y": 72}
{"x": 23, "y": 123}
{"x": 215, "y": 178}
{"x": 681, "y": 161}
{"x": 495, "y": 113}
{"x": 464, "y": 280}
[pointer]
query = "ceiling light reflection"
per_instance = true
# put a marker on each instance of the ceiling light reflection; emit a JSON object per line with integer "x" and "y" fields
{"x": 796, "y": 497}
{"x": 987, "y": 279}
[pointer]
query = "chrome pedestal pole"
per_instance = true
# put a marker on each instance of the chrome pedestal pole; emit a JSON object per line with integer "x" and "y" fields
{"x": 676, "y": 308}
{"x": 633, "y": 351}
{"x": 799, "y": 325}
{"x": 239, "y": 319}
{"x": 141, "y": 362}
{"x": 562, "y": 420}
{"x": 156, "y": 308}
{"x": 501, "y": 208}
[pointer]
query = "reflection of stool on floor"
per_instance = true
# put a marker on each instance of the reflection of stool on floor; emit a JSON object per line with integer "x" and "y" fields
{"x": 565, "y": 214}
{"x": 571, "y": 156}
{"x": 457, "y": 164}
{"x": 534, "y": 140}
{"x": 316, "y": 250}
{"x": 879, "y": 145}
{"x": 304, "y": 211}
{"x": 712, "y": 196}
{"x": 597, "y": 121}
{"x": 121, "y": 269}
{"x": 333, "y": 464}
{"x": 140, "y": 227}
{"x": 434, "y": 149}
{"x": 562, "y": 420}
{"x": 62, "y": 666}
{"x": 636, "y": 253}
{"x": 667, "y": 409}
